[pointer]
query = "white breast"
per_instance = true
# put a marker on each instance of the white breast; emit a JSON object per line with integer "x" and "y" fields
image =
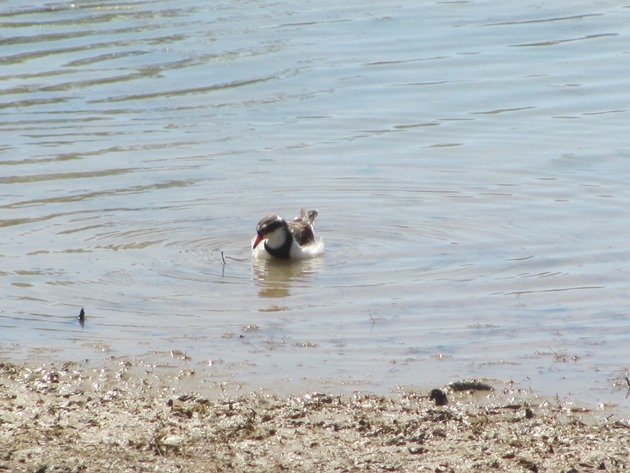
{"x": 307, "y": 251}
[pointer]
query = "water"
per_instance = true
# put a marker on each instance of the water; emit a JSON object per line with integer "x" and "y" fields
{"x": 469, "y": 161}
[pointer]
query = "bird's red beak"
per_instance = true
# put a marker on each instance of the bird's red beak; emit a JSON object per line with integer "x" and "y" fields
{"x": 257, "y": 241}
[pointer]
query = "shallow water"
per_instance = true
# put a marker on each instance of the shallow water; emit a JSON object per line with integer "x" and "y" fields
{"x": 469, "y": 163}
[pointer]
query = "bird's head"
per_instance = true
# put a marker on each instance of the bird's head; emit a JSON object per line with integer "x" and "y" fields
{"x": 273, "y": 229}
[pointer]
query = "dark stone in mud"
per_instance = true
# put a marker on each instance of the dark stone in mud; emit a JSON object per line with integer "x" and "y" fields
{"x": 469, "y": 386}
{"x": 439, "y": 397}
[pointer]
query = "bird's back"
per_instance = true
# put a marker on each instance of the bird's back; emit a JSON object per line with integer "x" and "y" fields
{"x": 302, "y": 227}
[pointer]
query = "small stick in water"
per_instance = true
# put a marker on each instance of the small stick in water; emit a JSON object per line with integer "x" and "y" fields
{"x": 82, "y": 317}
{"x": 224, "y": 263}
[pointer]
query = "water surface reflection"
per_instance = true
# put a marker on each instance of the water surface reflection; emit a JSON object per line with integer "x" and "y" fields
{"x": 469, "y": 162}
{"x": 276, "y": 278}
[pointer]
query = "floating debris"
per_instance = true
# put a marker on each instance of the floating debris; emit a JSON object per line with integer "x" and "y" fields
{"x": 459, "y": 386}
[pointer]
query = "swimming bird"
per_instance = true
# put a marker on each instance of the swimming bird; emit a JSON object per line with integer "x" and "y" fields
{"x": 287, "y": 239}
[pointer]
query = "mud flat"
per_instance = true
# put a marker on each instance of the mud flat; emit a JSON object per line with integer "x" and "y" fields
{"x": 127, "y": 418}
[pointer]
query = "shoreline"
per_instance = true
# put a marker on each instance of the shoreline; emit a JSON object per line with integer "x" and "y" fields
{"x": 65, "y": 417}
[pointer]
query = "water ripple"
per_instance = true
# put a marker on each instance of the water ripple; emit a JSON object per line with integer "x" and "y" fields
{"x": 464, "y": 181}
{"x": 189, "y": 91}
{"x": 566, "y": 40}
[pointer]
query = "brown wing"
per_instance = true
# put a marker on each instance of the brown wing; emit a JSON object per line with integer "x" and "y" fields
{"x": 312, "y": 215}
{"x": 302, "y": 227}
{"x": 302, "y": 232}
{"x": 306, "y": 217}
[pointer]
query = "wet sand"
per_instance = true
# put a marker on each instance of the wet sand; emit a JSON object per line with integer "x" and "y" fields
{"x": 69, "y": 417}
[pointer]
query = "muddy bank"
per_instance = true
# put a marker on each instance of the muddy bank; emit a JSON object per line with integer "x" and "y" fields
{"x": 67, "y": 417}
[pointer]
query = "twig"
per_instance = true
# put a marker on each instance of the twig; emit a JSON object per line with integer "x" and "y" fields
{"x": 224, "y": 263}
{"x": 628, "y": 381}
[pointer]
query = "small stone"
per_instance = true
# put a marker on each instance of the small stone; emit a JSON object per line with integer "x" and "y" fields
{"x": 173, "y": 441}
{"x": 439, "y": 397}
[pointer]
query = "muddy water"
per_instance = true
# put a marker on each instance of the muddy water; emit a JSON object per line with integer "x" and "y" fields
{"x": 470, "y": 164}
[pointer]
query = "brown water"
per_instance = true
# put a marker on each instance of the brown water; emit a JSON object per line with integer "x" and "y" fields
{"x": 470, "y": 162}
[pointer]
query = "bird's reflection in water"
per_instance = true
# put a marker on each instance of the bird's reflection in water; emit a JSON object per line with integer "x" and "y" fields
{"x": 275, "y": 278}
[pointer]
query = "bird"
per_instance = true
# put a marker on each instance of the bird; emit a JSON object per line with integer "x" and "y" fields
{"x": 287, "y": 239}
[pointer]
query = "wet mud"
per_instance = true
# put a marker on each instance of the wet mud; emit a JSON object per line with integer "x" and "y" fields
{"x": 72, "y": 418}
